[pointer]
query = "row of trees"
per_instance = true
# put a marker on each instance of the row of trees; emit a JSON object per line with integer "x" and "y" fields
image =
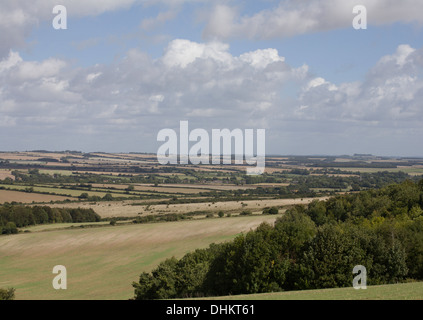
{"x": 308, "y": 248}
{"x": 13, "y": 217}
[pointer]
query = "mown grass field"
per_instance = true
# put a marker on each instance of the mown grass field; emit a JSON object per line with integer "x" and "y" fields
{"x": 402, "y": 291}
{"x": 103, "y": 262}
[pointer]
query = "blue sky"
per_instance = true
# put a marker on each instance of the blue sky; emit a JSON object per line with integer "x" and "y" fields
{"x": 343, "y": 54}
{"x": 123, "y": 70}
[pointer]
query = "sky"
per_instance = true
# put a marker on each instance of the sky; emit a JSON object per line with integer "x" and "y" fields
{"x": 123, "y": 70}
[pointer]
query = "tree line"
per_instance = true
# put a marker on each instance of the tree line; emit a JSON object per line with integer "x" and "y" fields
{"x": 13, "y": 217}
{"x": 311, "y": 247}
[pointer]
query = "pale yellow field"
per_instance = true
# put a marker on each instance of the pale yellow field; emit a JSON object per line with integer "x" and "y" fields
{"x": 125, "y": 209}
{"x": 103, "y": 262}
{"x": 6, "y": 173}
{"x": 34, "y": 155}
{"x": 24, "y": 197}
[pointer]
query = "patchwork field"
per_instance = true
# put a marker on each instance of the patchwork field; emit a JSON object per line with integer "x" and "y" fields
{"x": 103, "y": 262}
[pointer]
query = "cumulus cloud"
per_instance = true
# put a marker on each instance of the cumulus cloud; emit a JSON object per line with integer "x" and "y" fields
{"x": 295, "y": 17}
{"x": 53, "y": 104}
{"x": 181, "y": 53}
{"x": 140, "y": 94}
{"x": 392, "y": 91}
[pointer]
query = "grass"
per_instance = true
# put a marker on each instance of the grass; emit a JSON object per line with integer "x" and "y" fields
{"x": 60, "y": 172}
{"x": 103, "y": 262}
{"x": 57, "y": 226}
{"x": 403, "y": 291}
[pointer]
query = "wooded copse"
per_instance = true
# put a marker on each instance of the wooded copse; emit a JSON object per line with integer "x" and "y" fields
{"x": 13, "y": 217}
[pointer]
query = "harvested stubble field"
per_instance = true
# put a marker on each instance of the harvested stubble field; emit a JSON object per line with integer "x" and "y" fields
{"x": 103, "y": 262}
{"x": 25, "y": 197}
{"x": 6, "y": 173}
{"x": 128, "y": 209}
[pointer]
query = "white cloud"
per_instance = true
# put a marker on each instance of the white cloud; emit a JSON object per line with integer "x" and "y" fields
{"x": 400, "y": 57}
{"x": 36, "y": 70}
{"x": 132, "y": 99}
{"x": 12, "y": 60}
{"x": 391, "y": 92}
{"x": 262, "y": 58}
{"x": 293, "y": 17}
{"x": 191, "y": 80}
{"x": 181, "y": 52}
{"x": 92, "y": 76}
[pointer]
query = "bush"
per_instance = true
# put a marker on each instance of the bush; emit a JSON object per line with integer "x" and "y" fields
{"x": 7, "y": 294}
{"x": 272, "y": 210}
{"x": 246, "y": 213}
{"x": 10, "y": 228}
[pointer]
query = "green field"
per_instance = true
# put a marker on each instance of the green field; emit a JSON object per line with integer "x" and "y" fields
{"x": 103, "y": 262}
{"x": 402, "y": 291}
{"x": 60, "y": 172}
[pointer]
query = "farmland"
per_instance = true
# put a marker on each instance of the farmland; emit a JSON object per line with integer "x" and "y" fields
{"x": 132, "y": 209}
{"x": 16, "y": 196}
{"x": 159, "y": 211}
{"x": 102, "y": 262}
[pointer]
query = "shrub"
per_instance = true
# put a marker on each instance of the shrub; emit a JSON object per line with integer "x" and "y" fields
{"x": 272, "y": 210}
{"x": 7, "y": 294}
{"x": 246, "y": 213}
{"x": 10, "y": 228}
